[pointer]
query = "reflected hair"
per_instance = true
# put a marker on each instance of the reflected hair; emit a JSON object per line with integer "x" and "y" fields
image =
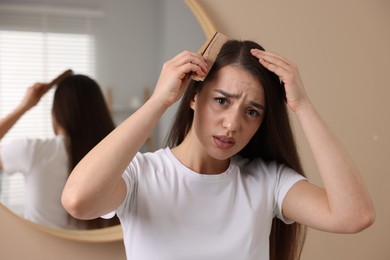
{"x": 80, "y": 108}
{"x": 273, "y": 141}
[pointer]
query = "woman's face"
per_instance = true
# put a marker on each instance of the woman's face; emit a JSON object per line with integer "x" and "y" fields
{"x": 228, "y": 111}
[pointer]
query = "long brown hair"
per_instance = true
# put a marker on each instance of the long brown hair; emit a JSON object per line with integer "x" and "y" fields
{"x": 273, "y": 140}
{"x": 80, "y": 108}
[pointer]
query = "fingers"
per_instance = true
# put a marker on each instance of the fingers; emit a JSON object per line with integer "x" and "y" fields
{"x": 275, "y": 63}
{"x": 187, "y": 62}
{"x": 288, "y": 73}
{"x": 40, "y": 89}
{"x": 174, "y": 79}
{"x": 271, "y": 57}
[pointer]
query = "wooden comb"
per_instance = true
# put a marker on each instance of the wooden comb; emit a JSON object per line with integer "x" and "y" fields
{"x": 59, "y": 78}
{"x": 210, "y": 50}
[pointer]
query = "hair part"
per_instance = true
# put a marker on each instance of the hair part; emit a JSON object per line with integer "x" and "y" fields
{"x": 273, "y": 140}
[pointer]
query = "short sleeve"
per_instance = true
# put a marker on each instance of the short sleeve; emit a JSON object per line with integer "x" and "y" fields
{"x": 131, "y": 180}
{"x": 17, "y": 155}
{"x": 286, "y": 178}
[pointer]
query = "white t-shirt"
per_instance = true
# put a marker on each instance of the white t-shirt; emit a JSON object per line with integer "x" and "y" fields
{"x": 44, "y": 164}
{"x": 173, "y": 213}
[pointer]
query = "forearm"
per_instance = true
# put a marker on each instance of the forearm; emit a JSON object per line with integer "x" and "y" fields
{"x": 346, "y": 192}
{"x": 114, "y": 153}
{"x": 30, "y": 99}
{"x": 95, "y": 179}
{"x": 9, "y": 121}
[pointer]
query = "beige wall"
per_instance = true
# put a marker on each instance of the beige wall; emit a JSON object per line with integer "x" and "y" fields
{"x": 343, "y": 51}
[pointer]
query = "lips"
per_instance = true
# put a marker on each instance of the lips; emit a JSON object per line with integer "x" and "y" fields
{"x": 224, "y": 142}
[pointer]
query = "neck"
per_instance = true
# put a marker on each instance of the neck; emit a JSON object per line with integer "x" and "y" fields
{"x": 192, "y": 154}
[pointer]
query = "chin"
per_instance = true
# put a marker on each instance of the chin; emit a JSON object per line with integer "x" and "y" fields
{"x": 221, "y": 155}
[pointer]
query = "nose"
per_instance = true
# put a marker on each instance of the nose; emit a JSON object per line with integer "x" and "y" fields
{"x": 231, "y": 121}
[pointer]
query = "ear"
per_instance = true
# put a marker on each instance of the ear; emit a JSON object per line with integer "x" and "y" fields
{"x": 193, "y": 102}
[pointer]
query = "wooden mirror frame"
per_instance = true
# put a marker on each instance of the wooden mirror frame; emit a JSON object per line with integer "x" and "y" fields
{"x": 204, "y": 20}
{"x": 111, "y": 234}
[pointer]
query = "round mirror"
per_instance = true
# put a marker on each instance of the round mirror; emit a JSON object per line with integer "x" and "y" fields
{"x": 133, "y": 39}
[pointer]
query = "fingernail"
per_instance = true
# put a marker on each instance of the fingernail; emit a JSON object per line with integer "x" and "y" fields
{"x": 256, "y": 51}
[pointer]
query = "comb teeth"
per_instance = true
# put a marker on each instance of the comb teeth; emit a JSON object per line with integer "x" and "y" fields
{"x": 210, "y": 50}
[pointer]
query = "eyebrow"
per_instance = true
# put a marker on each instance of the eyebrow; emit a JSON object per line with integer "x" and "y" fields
{"x": 230, "y": 95}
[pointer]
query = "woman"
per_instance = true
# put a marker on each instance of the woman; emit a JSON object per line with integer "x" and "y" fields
{"x": 80, "y": 120}
{"x": 230, "y": 184}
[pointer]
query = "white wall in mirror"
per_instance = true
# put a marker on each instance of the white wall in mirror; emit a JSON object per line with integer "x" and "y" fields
{"x": 138, "y": 36}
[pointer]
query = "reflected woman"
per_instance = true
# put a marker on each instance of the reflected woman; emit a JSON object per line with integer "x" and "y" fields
{"x": 80, "y": 120}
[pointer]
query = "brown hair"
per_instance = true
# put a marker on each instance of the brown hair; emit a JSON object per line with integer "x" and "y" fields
{"x": 80, "y": 108}
{"x": 273, "y": 140}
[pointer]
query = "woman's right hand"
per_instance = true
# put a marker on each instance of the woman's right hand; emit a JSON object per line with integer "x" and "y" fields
{"x": 30, "y": 99}
{"x": 33, "y": 95}
{"x": 174, "y": 78}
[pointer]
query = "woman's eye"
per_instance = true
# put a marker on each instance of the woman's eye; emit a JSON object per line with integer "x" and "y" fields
{"x": 221, "y": 101}
{"x": 253, "y": 112}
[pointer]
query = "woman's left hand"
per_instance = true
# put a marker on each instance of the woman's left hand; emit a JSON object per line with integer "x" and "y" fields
{"x": 288, "y": 73}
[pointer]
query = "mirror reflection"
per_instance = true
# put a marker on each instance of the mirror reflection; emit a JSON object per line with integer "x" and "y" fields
{"x": 80, "y": 119}
{"x": 118, "y": 44}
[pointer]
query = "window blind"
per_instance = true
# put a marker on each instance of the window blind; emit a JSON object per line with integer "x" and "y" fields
{"x": 37, "y": 44}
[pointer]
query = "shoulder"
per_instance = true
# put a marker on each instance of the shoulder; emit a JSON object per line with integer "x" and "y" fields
{"x": 151, "y": 158}
{"x": 21, "y": 145}
{"x": 265, "y": 170}
{"x": 149, "y": 162}
{"x": 34, "y": 148}
{"x": 257, "y": 166}
{"x": 24, "y": 154}
{"x": 35, "y": 142}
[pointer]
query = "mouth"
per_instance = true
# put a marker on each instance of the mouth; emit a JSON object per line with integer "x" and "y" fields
{"x": 224, "y": 142}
